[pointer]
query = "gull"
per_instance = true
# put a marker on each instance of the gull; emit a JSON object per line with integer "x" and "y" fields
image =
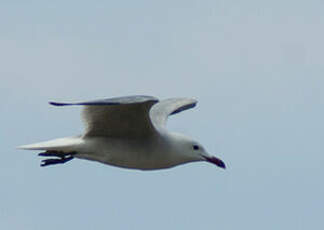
{"x": 128, "y": 132}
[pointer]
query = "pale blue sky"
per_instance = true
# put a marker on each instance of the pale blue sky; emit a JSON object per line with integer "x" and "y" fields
{"x": 256, "y": 68}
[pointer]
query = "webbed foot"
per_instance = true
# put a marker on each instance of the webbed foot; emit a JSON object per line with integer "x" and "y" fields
{"x": 62, "y": 157}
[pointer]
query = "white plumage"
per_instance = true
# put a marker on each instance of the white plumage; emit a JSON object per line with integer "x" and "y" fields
{"x": 127, "y": 132}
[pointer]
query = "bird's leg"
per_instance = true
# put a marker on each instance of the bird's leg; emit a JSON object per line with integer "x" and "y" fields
{"x": 62, "y": 157}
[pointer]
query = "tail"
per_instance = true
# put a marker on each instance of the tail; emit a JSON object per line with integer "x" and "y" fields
{"x": 63, "y": 149}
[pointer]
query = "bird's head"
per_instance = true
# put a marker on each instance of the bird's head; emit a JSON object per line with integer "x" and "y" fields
{"x": 195, "y": 151}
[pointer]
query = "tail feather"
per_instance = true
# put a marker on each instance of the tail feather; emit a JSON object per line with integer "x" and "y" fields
{"x": 59, "y": 150}
{"x": 66, "y": 144}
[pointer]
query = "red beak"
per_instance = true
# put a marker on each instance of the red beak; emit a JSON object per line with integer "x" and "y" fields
{"x": 216, "y": 161}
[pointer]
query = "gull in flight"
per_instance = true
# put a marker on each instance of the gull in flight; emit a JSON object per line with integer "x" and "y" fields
{"x": 128, "y": 132}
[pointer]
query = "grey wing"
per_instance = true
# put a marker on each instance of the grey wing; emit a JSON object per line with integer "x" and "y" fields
{"x": 159, "y": 112}
{"x": 117, "y": 117}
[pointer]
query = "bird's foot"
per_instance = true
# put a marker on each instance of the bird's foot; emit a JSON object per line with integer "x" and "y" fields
{"x": 62, "y": 157}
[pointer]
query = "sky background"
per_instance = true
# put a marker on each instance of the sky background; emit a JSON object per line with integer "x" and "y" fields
{"x": 256, "y": 68}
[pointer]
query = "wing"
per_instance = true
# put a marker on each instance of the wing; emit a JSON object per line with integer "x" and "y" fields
{"x": 117, "y": 117}
{"x": 159, "y": 112}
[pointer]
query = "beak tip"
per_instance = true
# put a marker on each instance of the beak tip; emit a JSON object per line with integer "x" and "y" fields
{"x": 222, "y": 165}
{"x": 216, "y": 161}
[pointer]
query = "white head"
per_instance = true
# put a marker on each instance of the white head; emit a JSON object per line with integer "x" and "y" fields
{"x": 193, "y": 151}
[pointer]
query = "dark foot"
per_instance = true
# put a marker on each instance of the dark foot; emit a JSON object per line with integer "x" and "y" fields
{"x": 62, "y": 157}
{"x": 54, "y": 161}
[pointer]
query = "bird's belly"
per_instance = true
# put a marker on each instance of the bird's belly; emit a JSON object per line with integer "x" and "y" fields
{"x": 131, "y": 162}
{"x": 143, "y": 165}
{"x": 125, "y": 154}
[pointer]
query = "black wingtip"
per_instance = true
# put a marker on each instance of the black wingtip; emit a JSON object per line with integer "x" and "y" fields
{"x": 58, "y": 103}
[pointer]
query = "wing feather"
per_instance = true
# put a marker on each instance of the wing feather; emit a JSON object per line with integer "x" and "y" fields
{"x": 160, "y": 112}
{"x": 132, "y": 116}
{"x": 117, "y": 117}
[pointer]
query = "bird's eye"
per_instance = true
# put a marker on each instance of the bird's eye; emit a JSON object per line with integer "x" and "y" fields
{"x": 195, "y": 147}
